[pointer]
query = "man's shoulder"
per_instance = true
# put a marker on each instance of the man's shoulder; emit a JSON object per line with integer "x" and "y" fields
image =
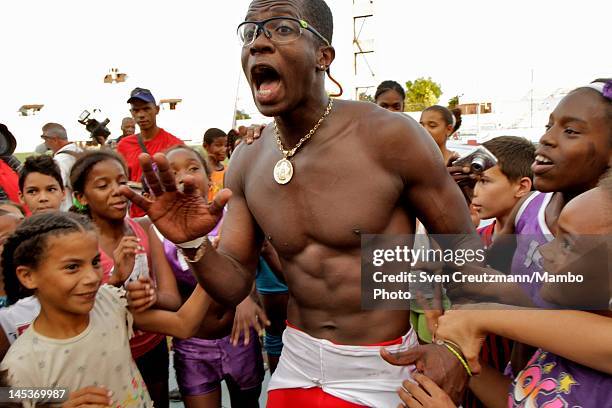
{"x": 379, "y": 122}
{"x": 386, "y": 132}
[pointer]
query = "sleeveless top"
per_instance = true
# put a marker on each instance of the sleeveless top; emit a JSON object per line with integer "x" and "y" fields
{"x": 532, "y": 232}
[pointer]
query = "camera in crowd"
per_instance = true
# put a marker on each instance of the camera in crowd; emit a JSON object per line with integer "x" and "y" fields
{"x": 479, "y": 160}
{"x": 97, "y": 130}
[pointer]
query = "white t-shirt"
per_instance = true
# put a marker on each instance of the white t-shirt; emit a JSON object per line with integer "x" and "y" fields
{"x": 65, "y": 161}
{"x": 16, "y": 318}
{"x": 99, "y": 356}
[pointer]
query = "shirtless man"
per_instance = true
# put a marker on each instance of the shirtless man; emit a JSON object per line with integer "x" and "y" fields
{"x": 364, "y": 170}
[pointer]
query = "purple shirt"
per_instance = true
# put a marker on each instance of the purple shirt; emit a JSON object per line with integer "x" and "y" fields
{"x": 532, "y": 232}
{"x": 550, "y": 381}
{"x": 185, "y": 280}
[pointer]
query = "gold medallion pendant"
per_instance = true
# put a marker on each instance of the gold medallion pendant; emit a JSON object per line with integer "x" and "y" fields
{"x": 283, "y": 171}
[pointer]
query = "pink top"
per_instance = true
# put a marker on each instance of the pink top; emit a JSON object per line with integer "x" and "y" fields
{"x": 142, "y": 342}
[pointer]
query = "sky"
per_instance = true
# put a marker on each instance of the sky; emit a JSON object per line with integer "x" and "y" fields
{"x": 57, "y": 52}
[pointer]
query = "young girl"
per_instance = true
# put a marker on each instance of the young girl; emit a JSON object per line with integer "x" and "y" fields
{"x": 441, "y": 123}
{"x": 125, "y": 251}
{"x": 203, "y": 361}
{"x": 566, "y": 370}
{"x": 80, "y": 340}
{"x": 390, "y": 95}
{"x": 578, "y": 132}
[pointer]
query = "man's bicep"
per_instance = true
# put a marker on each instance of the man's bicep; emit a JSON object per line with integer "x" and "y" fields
{"x": 241, "y": 237}
{"x": 432, "y": 192}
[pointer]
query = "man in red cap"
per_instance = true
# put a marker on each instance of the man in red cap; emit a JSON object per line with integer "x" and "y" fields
{"x": 151, "y": 138}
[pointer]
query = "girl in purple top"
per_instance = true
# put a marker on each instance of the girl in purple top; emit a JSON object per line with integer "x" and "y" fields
{"x": 574, "y": 153}
{"x": 203, "y": 361}
{"x": 573, "y": 365}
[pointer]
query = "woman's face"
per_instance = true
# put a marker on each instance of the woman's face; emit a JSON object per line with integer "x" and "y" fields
{"x": 434, "y": 123}
{"x": 391, "y": 100}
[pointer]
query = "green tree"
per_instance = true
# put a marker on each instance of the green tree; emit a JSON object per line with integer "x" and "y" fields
{"x": 421, "y": 93}
{"x": 453, "y": 102}
{"x": 240, "y": 115}
{"x": 366, "y": 97}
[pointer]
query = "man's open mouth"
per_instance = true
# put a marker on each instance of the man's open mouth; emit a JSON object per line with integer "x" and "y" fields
{"x": 267, "y": 82}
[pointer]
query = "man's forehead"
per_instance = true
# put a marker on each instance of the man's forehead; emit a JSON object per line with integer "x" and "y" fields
{"x": 279, "y": 7}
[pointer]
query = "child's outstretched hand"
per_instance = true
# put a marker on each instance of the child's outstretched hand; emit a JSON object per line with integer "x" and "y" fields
{"x": 248, "y": 314}
{"x": 124, "y": 258}
{"x": 424, "y": 394}
{"x": 141, "y": 294}
{"x": 90, "y": 397}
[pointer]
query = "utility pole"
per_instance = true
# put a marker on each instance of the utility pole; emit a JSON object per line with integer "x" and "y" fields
{"x": 363, "y": 48}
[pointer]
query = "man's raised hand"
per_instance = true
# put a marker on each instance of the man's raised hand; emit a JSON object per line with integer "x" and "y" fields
{"x": 180, "y": 213}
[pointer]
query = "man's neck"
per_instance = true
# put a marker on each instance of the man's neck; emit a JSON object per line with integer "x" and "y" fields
{"x": 297, "y": 123}
{"x": 150, "y": 133}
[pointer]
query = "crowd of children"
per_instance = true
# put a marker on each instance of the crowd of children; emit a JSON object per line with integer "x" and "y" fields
{"x": 89, "y": 296}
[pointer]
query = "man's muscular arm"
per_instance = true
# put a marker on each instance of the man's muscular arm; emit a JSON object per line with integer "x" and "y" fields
{"x": 430, "y": 193}
{"x": 429, "y": 190}
{"x": 183, "y": 215}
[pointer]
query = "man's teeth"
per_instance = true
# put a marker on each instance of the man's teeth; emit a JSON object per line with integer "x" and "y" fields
{"x": 264, "y": 91}
{"x": 543, "y": 160}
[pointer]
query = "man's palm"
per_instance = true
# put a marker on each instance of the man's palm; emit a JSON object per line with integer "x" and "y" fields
{"x": 180, "y": 216}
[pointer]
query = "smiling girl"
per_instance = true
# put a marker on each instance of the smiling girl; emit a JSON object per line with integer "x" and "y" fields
{"x": 80, "y": 340}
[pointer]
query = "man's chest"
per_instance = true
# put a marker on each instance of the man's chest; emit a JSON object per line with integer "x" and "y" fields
{"x": 333, "y": 197}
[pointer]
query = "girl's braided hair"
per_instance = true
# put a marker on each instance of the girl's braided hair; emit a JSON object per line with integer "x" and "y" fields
{"x": 27, "y": 246}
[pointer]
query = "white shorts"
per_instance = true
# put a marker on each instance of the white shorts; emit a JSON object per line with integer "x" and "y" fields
{"x": 356, "y": 374}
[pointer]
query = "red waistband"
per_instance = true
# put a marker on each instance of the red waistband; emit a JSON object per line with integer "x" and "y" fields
{"x": 306, "y": 398}
{"x": 399, "y": 340}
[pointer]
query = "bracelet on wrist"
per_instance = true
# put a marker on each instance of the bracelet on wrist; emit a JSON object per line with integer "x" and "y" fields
{"x": 201, "y": 250}
{"x": 193, "y": 244}
{"x": 458, "y": 354}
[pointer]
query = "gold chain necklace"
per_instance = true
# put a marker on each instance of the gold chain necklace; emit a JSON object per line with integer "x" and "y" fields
{"x": 283, "y": 170}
